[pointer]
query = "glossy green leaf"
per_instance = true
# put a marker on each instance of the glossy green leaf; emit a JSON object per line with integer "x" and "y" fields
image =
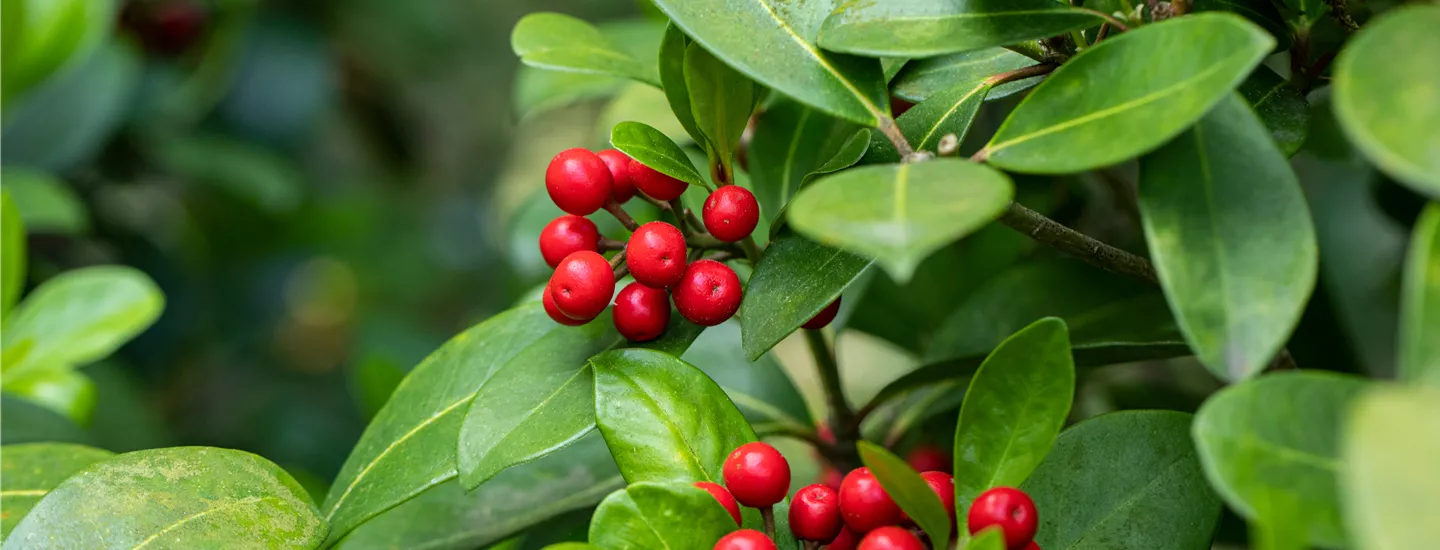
{"x": 1390, "y": 448}
{"x": 790, "y": 141}
{"x": 947, "y": 112}
{"x": 64, "y": 391}
{"x": 448, "y": 517}
{"x": 652, "y": 148}
{"x": 1386, "y": 103}
{"x": 12, "y": 253}
{"x": 80, "y": 316}
{"x": 28, "y": 472}
{"x": 1124, "y": 480}
{"x": 922, "y": 78}
{"x": 1420, "y": 307}
{"x": 45, "y": 203}
{"x": 721, "y": 100}
{"x": 772, "y": 42}
{"x": 900, "y": 214}
{"x": 794, "y": 281}
{"x": 563, "y": 43}
{"x": 179, "y": 497}
{"x": 911, "y": 492}
{"x": 653, "y": 516}
{"x": 1230, "y": 237}
{"x": 1279, "y": 432}
{"x": 50, "y": 35}
{"x": 672, "y": 78}
{"x": 851, "y": 151}
{"x": 761, "y": 389}
{"x": 1015, "y": 406}
{"x": 1159, "y": 78}
{"x": 924, "y": 28}
{"x": 1280, "y": 105}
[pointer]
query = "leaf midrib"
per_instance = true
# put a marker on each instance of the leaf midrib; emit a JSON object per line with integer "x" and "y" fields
{"x": 824, "y": 63}
{"x": 949, "y": 113}
{"x": 1058, "y": 10}
{"x": 192, "y": 517}
{"x": 654, "y": 405}
{"x": 1131, "y": 501}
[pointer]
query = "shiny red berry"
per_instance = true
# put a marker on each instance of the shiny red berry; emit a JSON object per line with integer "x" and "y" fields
{"x": 745, "y": 539}
{"x": 622, "y": 187}
{"x": 865, "y": 505}
{"x": 566, "y": 234}
{"x": 555, "y": 313}
{"x": 651, "y": 182}
{"x": 943, "y": 485}
{"x": 1010, "y": 509}
{"x": 708, "y": 293}
{"x": 820, "y": 320}
{"x": 641, "y": 313}
{"x": 582, "y": 285}
{"x": 929, "y": 458}
{"x": 757, "y": 475}
{"x": 725, "y": 498}
{"x": 815, "y": 513}
{"x": 730, "y": 213}
{"x": 578, "y": 181}
{"x": 891, "y": 537}
{"x": 656, "y": 255}
{"x": 846, "y": 540}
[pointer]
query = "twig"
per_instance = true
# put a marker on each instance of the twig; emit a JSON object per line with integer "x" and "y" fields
{"x": 897, "y": 139}
{"x": 1104, "y": 32}
{"x": 1020, "y": 74}
{"x": 684, "y": 216}
{"x": 617, "y": 260}
{"x": 1111, "y": 19}
{"x": 1030, "y": 49}
{"x": 768, "y": 513}
{"x": 1074, "y": 243}
{"x": 1342, "y": 15}
{"x": 842, "y": 419}
{"x": 616, "y": 210}
{"x": 752, "y": 251}
{"x": 720, "y": 256}
{"x": 607, "y": 243}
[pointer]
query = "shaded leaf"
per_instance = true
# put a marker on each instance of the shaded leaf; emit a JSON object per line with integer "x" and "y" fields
{"x": 790, "y": 142}
{"x": 563, "y": 43}
{"x": 26, "y": 422}
{"x": 64, "y": 391}
{"x": 721, "y": 100}
{"x": 911, "y": 492}
{"x": 850, "y": 153}
{"x": 1259, "y": 12}
{"x": 66, "y": 120}
{"x": 29, "y": 471}
{"x": 761, "y": 389}
{"x": 793, "y": 282}
{"x": 45, "y": 203}
{"x": 924, "y": 28}
{"x": 652, "y": 148}
{"x": 1280, "y": 105}
{"x": 1390, "y": 447}
{"x": 80, "y": 316}
{"x": 948, "y": 112}
{"x": 672, "y": 78}
{"x": 660, "y": 517}
{"x": 268, "y": 180}
{"x": 922, "y": 78}
{"x": 1420, "y": 308}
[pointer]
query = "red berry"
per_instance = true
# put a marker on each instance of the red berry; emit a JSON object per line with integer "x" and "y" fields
{"x": 578, "y": 181}
{"x": 891, "y": 537}
{"x": 641, "y": 313}
{"x": 864, "y": 503}
{"x": 723, "y": 496}
{"x": 944, "y": 486}
{"x": 830, "y": 477}
{"x": 846, "y": 540}
{"x": 824, "y": 317}
{"x": 1009, "y": 508}
{"x": 623, "y": 188}
{"x": 745, "y": 539}
{"x": 899, "y": 106}
{"x": 708, "y": 293}
{"x": 1032, "y": 546}
{"x": 566, "y": 234}
{"x": 656, "y": 255}
{"x": 658, "y": 186}
{"x": 929, "y": 458}
{"x": 555, "y": 313}
{"x": 731, "y": 213}
{"x": 757, "y": 475}
{"x": 582, "y": 285}
{"x": 815, "y": 513}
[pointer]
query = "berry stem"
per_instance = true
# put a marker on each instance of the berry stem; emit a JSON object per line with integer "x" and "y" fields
{"x": 685, "y": 218}
{"x": 769, "y": 514}
{"x": 617, "y": 260}
{"x": 752, "y": 251}
{"x": 842, "y": 419}
{"x": 616, "y": 210}
{"x": 720, "y": 256}
{"x": 810, "y": 545}
{"x": 611, "y": 244}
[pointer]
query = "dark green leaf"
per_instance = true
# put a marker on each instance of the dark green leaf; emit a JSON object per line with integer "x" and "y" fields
{"x": 911, "y": 492}
{"x": 1159, "y": 79}
{"x": 794, "y": 281}
{"x": 900, "y": 214}
{"x": 267, "y": 179}
{"x": 923, "y": 78}
{"x": 180, "y": 497}
{"x": 1279, "y": 433}
{"x": 672, "y": 76}
{"x": 68, "y": 119}
{"x": 1390, "y": 448}
{"x": 1231, "y": 239}
{"x": 1124, "y": 480}
{"x": 791, "y": 141}
{"x": 79, "y": 317}
{"x": 1384, "y": 101}
{"x": 1259, "y": 12}
{"x": 31, "y": 470}
{"x": 26, "y": 422}
{"x": 721, "y": 100}
{"x": 653, "y": 149}
{"x": 1420, "y": 309}
{"x": 45, "y": 203}
{"x": 563, "y": 43}
{"x": 1280, "y": 106}
{"x": 12, "y": 253}
{"x": 773, "y": 43}
{"x": 761, "y": 389}
{"x": 659, "y": 517}
{"x": 924, "y": 28}
{"x": 948, "y": 112}
{"x": 851, "y": 151}
{"x": 1015, "y": 406}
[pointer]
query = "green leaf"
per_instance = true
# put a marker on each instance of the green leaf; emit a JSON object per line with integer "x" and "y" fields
{"x": 68, "y": 119}
{"x": 46, "y": 204}
{"x": 790, "y": 142}
{"x": 1280, "y": 105}
{"x": 1124, "y": 480}
{"x": 851, "y": 151}
{"x": 1015, "y": 406}
{"x": 721, "y": 100}
{"x": 899, "y": 214}
{"x": 922, "y": 78}
{"x": 672, "y": 77}
{"x": 31, "y": 470}
{"x": 26, "y": 422}
{"x": 79, "y": 317}
{"x": 1420, "y": 307}
{"x": 660, "y": 517}
{"x": 1281, "y": 522}
{"x": 1231, "y": 239}
{"x": 179, "y": 497}
{"x": 64, "y": 391}
{"x": 49, "y": 36}
{"x": 539, "y": 90}
{"x": 1390, "y": 448}
{"x": 925, "y": 28}
{"x": 948, "y": 112}
{"x": 649, "y": 146}
{"x": 794, "y": 281}
{"x": 989, "y": 539}
{"x": 1259, "y": 12}
{"x": 773, "y": 43}
{"x": 1279, "y": 433}
{"x": 1159, "y": 78}
{"x": 265, "y": 178}
{"x": 1385, "y": 102}
{"x": 563, "y": 43}
{"x": 447, "y": 516}
{"x": 761, "y": 389}
{"x": 12, "y": 253}
{"x": 911, "y": 492}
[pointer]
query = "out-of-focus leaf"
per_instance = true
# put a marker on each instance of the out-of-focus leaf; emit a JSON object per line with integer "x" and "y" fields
{"x": 42, "y": 38}
{"x": 1259, "y": 12}
{"x": 721, "y": 100}
{"x": 643, "y": 104}
{"x": 79, "y": 317}
{"x": 31, "y": 470}
{"x": 252, "y": 173}
{"x": 761, "y": 389}
{"x": 1420, "y": 310}
{"x": 924, "y": 28}
{"x": 922, "y": 78}
{"x": 563, "y": 43}
{"x": 65, "y": 121}
{"x": 12, "y": 253}
{"x": 1280, "y": 106}
{"x": 26, "y": 422}
{"x": 791, "y": 141}
{"x": 64, "y": 391}
{"x": 45, "y": 203}
{"x": 1390, "y": 446}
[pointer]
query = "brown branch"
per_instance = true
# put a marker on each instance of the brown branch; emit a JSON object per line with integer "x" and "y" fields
{"x": 1020, "y": 74}
{"x": 1074, "y": 243}
{"x": 616, "y": 210}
